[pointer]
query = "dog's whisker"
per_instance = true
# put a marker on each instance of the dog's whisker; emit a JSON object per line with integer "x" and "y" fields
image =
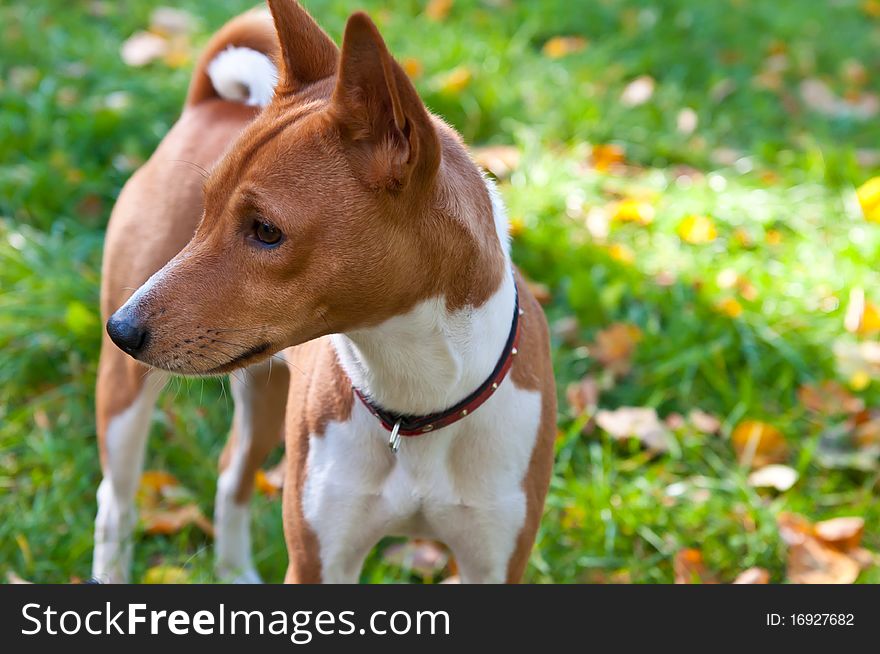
{"x": 199, "y": 169}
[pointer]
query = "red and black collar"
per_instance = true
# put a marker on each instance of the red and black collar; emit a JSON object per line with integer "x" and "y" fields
{"x": 407, "y": 425}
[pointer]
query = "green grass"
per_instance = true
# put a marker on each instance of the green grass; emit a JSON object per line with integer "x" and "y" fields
{"x": 75, "y": 121}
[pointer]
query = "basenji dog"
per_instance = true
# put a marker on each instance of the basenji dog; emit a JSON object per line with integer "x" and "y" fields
{"x": 346, "y": 231}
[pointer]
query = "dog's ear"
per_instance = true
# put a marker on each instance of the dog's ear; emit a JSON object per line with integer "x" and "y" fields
{"x": 387, "y": 131}
{"x": 307, "y": 53}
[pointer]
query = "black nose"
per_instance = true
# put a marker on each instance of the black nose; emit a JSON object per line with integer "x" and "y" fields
{"x": 127, "y": 333}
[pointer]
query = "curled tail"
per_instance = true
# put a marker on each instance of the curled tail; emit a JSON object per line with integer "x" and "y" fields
{"x": 239, "y": 62}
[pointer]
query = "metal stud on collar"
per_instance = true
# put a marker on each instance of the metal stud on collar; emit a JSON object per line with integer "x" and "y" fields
{"x": 394, "y": 441}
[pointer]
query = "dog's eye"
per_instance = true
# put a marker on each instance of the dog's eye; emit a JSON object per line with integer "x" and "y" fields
{"x": 267, "y": 233}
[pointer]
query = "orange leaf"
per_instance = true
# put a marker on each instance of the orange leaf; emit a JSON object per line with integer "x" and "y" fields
{"x": 413, "y": 67}
{"x": 605, "y": 156}
{"x": 690, "y": 568}
{"x": 840, "y": 533}
{"x": 264, "y": 485}
{"x": 730, "y": 307}
{"x": 438, "y": 9}
{"x": 758, "y": 444}
{"x": 172, "y": 520}
{"x": 560, "y": 46}
{"x": 615, "y": 346}
{"x": 810, "y": 562}
{"x": 829, "y": 398}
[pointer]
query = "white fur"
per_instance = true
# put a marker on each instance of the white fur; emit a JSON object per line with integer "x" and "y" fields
{"x": 125, "y": 440}
{"x": 461, "y": 484}
{"x": 232, "y": 520}
{"x": 243, "y": 75}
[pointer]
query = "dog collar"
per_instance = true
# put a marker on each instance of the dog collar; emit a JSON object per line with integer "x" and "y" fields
{"x": 407, "y": 425}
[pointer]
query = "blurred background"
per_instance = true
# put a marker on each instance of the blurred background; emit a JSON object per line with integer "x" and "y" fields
{"x": 692, "y": 194}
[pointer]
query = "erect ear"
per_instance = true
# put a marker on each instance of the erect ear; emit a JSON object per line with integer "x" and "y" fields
{"x": 307, "y": 53}
{"x": 386, "y": 128}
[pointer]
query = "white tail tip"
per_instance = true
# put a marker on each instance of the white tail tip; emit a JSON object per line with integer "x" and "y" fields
{"x": 243, "y": 75}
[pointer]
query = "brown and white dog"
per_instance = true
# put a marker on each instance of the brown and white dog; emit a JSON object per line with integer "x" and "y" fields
{"x": 347, "y": 227}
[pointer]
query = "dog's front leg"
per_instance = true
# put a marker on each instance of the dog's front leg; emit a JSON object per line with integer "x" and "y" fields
{"x": 125, "y": 400}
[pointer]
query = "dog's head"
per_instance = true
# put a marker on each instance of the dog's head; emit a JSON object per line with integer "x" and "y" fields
{"x": 325, "y": 216}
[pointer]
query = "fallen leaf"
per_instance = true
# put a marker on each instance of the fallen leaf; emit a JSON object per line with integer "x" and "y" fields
{"x": 633, "y": 211}
{"x": 583, "y": 396}
{"x": 173, "y": 519}
{"x": 438, "y": 10}
{"x": 13, "y": 578}
{"x": 561, "y": 46}
{"x": 829, "y": 398}
{"x": 704, "y": 422}
{"x": 638, "y": 91}
{"x": 689, "y": 568}
{"x": 686, "y": 122}
{"x": 622, "y": 253}
{"x": 607, "y": 155}
{"x": 753, "y": 576}
{"x": 540, "y": 291}
{"x": 868, "y": 195}
{"x": 758, "y": 444}
{"x": 166, "y": 574}
{"x": 840, "y": 533}
{"x": 265, "y": 486}
{"x": 862, "y": 316}
{"x": 641, "y": 423}
{"x": 697, "y": 229}
{"x": 413, "y": 67}
{"x": 425, "y": 558}
{"x": 819, "y": 97}
{"x": 568, "y": 330}
{"x": 730, "y": 307}
{"x": 142, "y": 48}
{"x": 775, "y": 475}
{"x": 169, "y": 21}
{"x": 454, "y": 579}
{"x": 615, "y": 346}
{"x": 500, "y": 160}
{"x": 456, "y": 80}
{"x": 810, "y": 562}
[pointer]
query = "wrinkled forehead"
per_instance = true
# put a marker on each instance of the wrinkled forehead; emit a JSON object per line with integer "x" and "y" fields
{"x": 282, "y": 133}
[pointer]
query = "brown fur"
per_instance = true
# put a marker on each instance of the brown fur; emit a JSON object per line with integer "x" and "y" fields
{"x": 380, "y": 207}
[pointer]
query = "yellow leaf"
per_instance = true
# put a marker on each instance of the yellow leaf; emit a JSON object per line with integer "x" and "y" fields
{"x": 166, "y": 574}
{"x": 413, "y": 67}
{"x": 560, "y": 46}
{"x": 859, "y": 381}
{"x": 758, "y": 444}
{"x": 868, "y": 195}
{"x": 516, "y": 226}
{"x": 773, "y": 237}
{"x": 730, "y": 307}
{"x": 871, "y": 8}
{"x": 438, "y": 9}
{"x": 697, "y": 230}
{"x": 456, "y": 80}
{"x": 862, "y": 316}
{"x": 622, "y": 253}
{"x": 633, "y": 211}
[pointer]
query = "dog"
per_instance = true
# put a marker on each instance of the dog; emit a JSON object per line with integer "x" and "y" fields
{"x": 346, "y": 230}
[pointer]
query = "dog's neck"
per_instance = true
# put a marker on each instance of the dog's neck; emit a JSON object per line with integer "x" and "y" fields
{"x": 429, "y": 358}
